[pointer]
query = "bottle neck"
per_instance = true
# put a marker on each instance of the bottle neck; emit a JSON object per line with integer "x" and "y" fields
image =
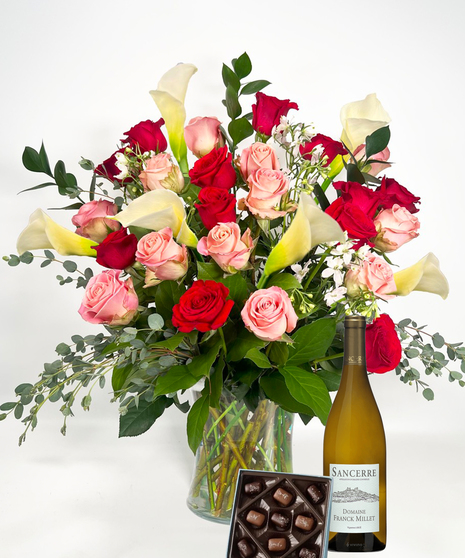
{"x": 354, "y": 347}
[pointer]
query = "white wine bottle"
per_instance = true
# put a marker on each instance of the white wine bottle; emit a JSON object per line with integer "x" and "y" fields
{"x": 355, "y": 454}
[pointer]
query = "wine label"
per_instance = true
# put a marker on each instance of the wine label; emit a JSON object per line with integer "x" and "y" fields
{"x": 355, "y": 506}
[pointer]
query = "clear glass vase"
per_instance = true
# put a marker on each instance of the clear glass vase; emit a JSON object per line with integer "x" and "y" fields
{"x": 236, "y": 438}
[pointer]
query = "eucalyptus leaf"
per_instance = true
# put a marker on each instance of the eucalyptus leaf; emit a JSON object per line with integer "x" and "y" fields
{"x": 155, "y": 322}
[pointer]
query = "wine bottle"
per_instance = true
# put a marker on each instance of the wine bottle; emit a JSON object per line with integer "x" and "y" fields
{"x": 355, "y": 453}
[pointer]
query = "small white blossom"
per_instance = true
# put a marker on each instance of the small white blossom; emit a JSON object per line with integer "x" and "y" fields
{"x": 335, "y": 295}
{"x": 335, "y": 270}
{"x": 299, "y": 271}
{"x": 363, "y": 252}
{"x": 122, "y": 164}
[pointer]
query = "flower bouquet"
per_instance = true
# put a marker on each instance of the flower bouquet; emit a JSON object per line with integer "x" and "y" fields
{"x": 231, "y": 275}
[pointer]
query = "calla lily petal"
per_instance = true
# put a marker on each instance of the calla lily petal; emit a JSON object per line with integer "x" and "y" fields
{"x": 169, "y": 97}
{"x": 156, "y": 210}
{"x": 360, "y": 119}
{"x": 42, "y": 232}
{"x": 310, "y": 227}
{"x": 424, "y": 276}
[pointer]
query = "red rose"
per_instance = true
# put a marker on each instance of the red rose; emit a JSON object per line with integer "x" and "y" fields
{"x": 216, "y": 206}
{"x": 331, "y": 148}
{"x": 393, "y": 193}
{"x": 203, "y": 307}
{"x": 117, "y": 250}
{"x": 147, "y": 136}
{"x": 365, "y": 199}
{"x": 267, "y": 112}
{"x": 383, "y": 347}
{"x": 353, "y": 220}
{"x": 214, "y": 169}
{"x": 109, "y": 170}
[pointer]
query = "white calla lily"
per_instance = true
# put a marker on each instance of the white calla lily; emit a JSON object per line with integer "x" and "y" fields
{"x": 311, "y": 226}
{"x": 169, "y": 97}
{"x": 424, "y": 276}
{"x": 156, "y": 210}
{"x": 42, "y": 233}
{"x": 360, "y": 119}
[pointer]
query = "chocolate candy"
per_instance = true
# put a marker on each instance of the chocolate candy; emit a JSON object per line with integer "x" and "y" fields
{"x": 255, "y": 518}
{"x": 245, "y": 548}
{"x": 277, "y": 545}
{"x": 280, "y": 520}
{"x": 275, "y": 516}
{"x": 283, "y": 497}
{"x": 253, "y": 488}
{"x": 305, "y": 523}
{"x": 315, "y": 494}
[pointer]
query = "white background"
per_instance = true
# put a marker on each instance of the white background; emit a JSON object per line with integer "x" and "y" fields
{"x": 77, "y": 75}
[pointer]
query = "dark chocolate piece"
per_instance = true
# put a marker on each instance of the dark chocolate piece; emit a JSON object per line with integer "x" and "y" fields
{"x": 315, "y": 494}
{"x": 305, "y": 523}
{"x": 283, "y": 497}
{"x": 255, "y": 518}
{"x": 306, "y": 553}
{"x": 253, "y": 488}
{"x": 277, "y": 545}
{"x": 246, "y": 549}
{"x": 280, "y": 520}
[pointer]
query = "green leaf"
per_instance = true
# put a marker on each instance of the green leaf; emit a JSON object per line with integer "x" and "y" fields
{"x": 428, "y": 394}
{"x": 438, "y": 340}
{"x": 456, "y": 375}
{"x": 49, "y": 255}
{"x": 171, "y": 343}
{"x": 238, "y": 290}
{"x": 70, "y": 266}
{"x": 377, "y": 141}
{"x": 232, "y": 103}
{"x": 155, "y": 322}
{"x": 200, "y": 365}
{"x": 18, "y": 412}
{"x": 279, "y": 353}
{"x": 405, "y": 322}
{"x": 13, "y": 260}
{"x": 33, "y": 161}
{"x": 286, "y": 281}
{"x": 8, "y": 406}
{"x": 196, "y": 420}
{"x": 119, "y": 376}
{"x": 209, "y": 270}
{"x": 309, "y": 389}
{"x": 258, "y": 358}
{"x": 254, "y": 86}
{"x": 26, "y": 257}
{"x": 176, "y": 378}
{"x": 216, "y": 383}
{"x": 247, "y": 377}
{"x": 167, "y": 295}
{"x": 65, "y": 181}
{"x": 230, "y": 79}
{"x": 39, "y": 186}
{"x": 139, "y": 419}
{"x": 44, "y": 160}
{"x": 276, "y": 389}
{"x": 331, "y": 379}
{"x": 242, "y": 345}
{"x": 242, "y": 65}
{"x": 240, "y": 129}
{"x": 312, "y": 341}
{"x": 354, "y": 174}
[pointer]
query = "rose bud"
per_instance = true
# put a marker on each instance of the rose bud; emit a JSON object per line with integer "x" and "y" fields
{"x": 117, "y": 250}
{"x": 258, "y": 156}
{"x": 214, "y": 169}
{"x": 267, "y": 112}
{"x": 160, "y": 173}
{"x": 109, "y": 300}
{"x": 373, "y": 168}
{"x": 383, "y": 347}
{"x": 203, "y": 307}
{"x": 216, "y": 206}
{"x": 268, "y": 314}
{"x": 266, "y": 188}
{"x": 92, "y": 222}
{"x": 202, "y": 134}
{"x": 227, "y": 247}
{"x": 162, "y": 256}
{"x": 146, "y": 136}
{"x": 374, "y": 274}
{"x": 395, "y": 226}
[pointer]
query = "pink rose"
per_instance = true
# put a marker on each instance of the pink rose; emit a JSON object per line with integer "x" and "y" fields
{"x": 268, "y": 314}
{"x": 266, "y": 187}
{"x": 395, "y": 227}
{"x": 226, "y": 246}
{"x": 109, "y": 300}
{"x": 258, "y": 156}
{"x": 163, "y": 258}
{"x": 91, "y": 220}
{"x": 202, "y": 134}
{"x": 373, "y": 168}
{"x": 160, "y": 173}
{"x": 374, "y": 275}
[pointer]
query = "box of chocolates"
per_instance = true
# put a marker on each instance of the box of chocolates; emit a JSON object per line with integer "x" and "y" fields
{"x": 280, "y": 515}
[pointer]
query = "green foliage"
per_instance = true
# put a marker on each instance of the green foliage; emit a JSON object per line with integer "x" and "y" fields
{"x": 312, "y": 341}
{"x": 258, "y": 358}
{"x": 196, "y": 421}
{"x": 139, "y": 418}
{"x": 242, "y": 345}
{"x": 276, "y": 389}
{"x": 377, "y": 141}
